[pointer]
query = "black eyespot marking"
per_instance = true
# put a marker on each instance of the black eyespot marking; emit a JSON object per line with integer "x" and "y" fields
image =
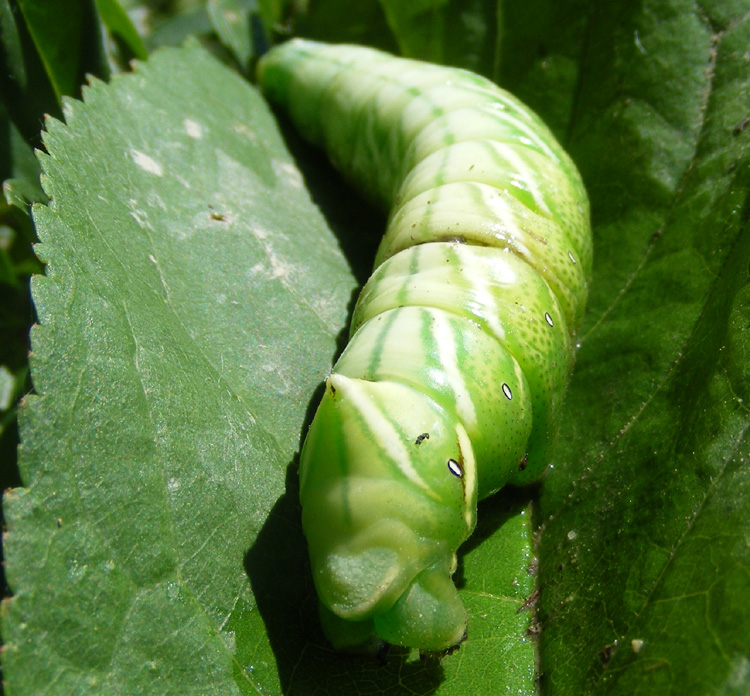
{"x": 508, "y": 393}
{"x": 421, "y": 438}
{"x": 548, "y": 319}
{"x": 455, "y": 468}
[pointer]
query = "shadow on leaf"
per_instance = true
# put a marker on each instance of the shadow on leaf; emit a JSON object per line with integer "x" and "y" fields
{"x": 279, "y": 572}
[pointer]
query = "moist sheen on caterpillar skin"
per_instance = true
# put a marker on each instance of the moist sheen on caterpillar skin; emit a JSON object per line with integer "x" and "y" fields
{"x": 462, "y": 341}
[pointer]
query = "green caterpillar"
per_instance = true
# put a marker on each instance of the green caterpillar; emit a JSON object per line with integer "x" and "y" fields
{"x": 462, "y": 340}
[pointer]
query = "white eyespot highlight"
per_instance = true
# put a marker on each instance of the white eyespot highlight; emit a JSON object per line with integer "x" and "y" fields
{"x": 508, "y": 393}
{"x": 148, "y": 164}
{"x": 571, "y": 257}
{"x": 455, "y": 468}
{"x": 548, "y": 319}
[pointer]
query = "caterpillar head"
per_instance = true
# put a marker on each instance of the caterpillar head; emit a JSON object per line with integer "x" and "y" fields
{"x": 388, "y": 491}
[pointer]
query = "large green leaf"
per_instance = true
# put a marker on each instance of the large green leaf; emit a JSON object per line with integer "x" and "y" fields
{"x": 189, "y": 309}
{"x": 645, "y": 551}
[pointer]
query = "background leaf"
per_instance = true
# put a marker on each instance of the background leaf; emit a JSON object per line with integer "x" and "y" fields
{"x": 19, "y": 171}
{"x": 644, "y": 551}
{"x": 119, "y": 26}
{"x": 239, "y": 27}
{"x": 27, "y": 92}
{"x": 362, "y": 22}
{"x": 66, "y": 37}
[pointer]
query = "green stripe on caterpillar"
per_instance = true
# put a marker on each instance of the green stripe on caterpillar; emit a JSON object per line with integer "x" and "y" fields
{"x": 462, "y": 340}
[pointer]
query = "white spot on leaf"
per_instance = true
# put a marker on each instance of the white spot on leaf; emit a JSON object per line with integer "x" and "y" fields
{"x": 148, "y": 164}
{"x": 192, "y": 128}
{"x": 288, "y": 173}
{"x": 279, "y": 269}
{"x": 244, "y": 129}
{"x": 138, "y": 217}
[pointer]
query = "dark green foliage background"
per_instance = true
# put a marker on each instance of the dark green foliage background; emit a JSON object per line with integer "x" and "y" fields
{"x": 174, "y": 390}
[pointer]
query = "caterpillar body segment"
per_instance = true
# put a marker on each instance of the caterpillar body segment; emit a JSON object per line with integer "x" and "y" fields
{"x": 462, "y": 341}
